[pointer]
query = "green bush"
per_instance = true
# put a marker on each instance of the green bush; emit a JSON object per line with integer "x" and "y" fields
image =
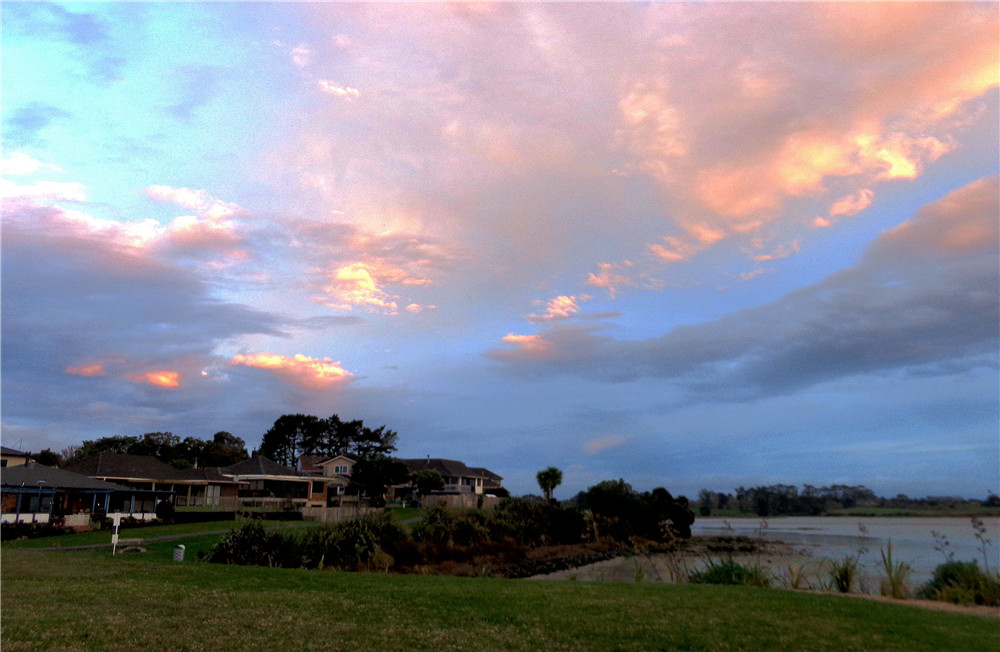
{"x": 250, "y": 545}
{"x": 844, "y": 573}
{"x": 731, "y": 572}
{"x": 962, "y": 582}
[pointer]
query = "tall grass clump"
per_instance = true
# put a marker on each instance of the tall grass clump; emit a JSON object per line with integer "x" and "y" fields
{"x": 962, "y": 582}
{"x": 731, "y": 572}
{"x": 844, "y": 573}
{"x": 896, "y": 573}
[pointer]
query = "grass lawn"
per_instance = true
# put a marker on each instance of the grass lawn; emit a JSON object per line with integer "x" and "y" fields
{"x": 88, "y": 600}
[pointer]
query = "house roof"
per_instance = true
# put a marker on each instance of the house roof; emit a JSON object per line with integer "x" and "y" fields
{"x": 310, "y": 463}
{"x": 489, "y": 475}
{"x": 446, "y": 468}
{"x": 140, "y": 467}
{"x": 259, "y": 465}
{"x": 53, "y": 478}
{"x": 10, "y": 451}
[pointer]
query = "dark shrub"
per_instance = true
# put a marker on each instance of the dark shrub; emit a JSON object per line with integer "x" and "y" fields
{"x": 165, "y": 511}
{"x": 962, "y": 582}
{"x": 731, "y": 572}
{"x": 250, "y": 545}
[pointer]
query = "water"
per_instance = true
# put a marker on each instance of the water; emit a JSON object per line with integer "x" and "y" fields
{"x": 834, "y": 537}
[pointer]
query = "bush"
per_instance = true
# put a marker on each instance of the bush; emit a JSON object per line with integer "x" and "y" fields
{"x": 165, "y": 511}
{"x": 962, "y": 582}
{"x": 250, "y": 545}
{"x": 731, "y": 572}
{"x": 844, "y": 573}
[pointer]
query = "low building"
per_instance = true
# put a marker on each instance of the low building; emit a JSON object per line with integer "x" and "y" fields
{"x": 458, "y": 478}
{"x": 266, "y": 482}
{"x": 34, "y": 493}
{"x": 11, "y": 457}
{"x": 191, "y": 487}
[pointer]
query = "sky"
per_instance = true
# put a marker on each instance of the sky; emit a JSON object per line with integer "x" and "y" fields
{"x": 687, "y": 245}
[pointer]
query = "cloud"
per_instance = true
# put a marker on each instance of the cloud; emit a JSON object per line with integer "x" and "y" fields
{"x": 19, "y": 163}
{"x": 302, "y": 370}
{"x": 164, "y": 379}
{"x": 343, "y": 92}
{"x": 925, "y": 294}
{"x": 602, "y": 444}
{"x": 852, "y": 204}
{"x": 561, "y": 307}
{"x": 197, "y": 200}
{"x": 88, "y": 370}
{"x": 302, "y": 56}
{"x": 89, "y": 318}
{"x": 610, "y": 278}
{"x": 44, "y": 191}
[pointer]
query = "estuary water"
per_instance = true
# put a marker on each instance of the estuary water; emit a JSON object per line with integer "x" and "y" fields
{"x": 834, "y": 537}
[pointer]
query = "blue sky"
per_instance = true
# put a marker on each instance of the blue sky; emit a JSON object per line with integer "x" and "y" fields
{"x": 687, "y": 245}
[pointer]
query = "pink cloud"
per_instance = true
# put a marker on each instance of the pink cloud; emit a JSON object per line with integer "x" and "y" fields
{"x": 160, "y": 378}
{"x": 561, "y": 307}
{"x": 199, "y": 201}
{"x": 302, "y": 370}
{"x": 609, "y": 277}
{"x": 852, "y": 204}
{"x": 89, "y": 370}
{"x": 601, "y": 444}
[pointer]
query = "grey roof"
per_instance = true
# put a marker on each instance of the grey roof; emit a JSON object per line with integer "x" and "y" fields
{"x": 10, "y": 451}
{"x": 446, "y": 468}
{"x": 52, "y": 478}
{"x": 140, "y": 467}
{"x": 260, "y": 465}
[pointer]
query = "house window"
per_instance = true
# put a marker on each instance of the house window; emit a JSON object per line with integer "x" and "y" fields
{"x": 341, "y": 469}
{"x": 317, "y": 487}
{"x": 452, "y": 480}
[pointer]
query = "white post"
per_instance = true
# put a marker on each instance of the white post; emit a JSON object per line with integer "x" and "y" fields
{"x": 116, "y": 519}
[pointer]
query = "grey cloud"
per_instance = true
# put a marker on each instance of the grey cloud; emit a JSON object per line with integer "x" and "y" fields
{"x": 925, "y": 294}
{"x": 26, "y": 123}
{"x": 194, "y": 87}
{"x": 70, "y": 300}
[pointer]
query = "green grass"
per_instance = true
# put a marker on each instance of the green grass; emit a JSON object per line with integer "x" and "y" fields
{"x": 95, "y": 537}
{"x": 92, "y": 601}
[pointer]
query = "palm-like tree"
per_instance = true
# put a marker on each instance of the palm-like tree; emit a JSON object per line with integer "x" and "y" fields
{"x": 548, "y": 480}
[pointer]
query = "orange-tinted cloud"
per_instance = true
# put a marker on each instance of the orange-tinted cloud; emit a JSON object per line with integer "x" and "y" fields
{"x": 609, "y": 277}
{"x": 162, "y": 378}
{"x": 530, "y": 345}
{"x": 89, "y": 370}
{"x": 302, "y": 370}
{"x": 852, "y": 204}
{"x": 601, "y": 444}
{"x": 561, "y": 307}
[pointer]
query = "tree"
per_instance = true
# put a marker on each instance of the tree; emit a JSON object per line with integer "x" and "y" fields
{"x": 284, "y": 441}
{"x": 372, "y": 477}
{"x": 427, "y": 481}
{"x": 548, "y": 480}
{"x": 48, "y": 457}
{"x": 294, "y": 435}
{"x": 224, "y": 449}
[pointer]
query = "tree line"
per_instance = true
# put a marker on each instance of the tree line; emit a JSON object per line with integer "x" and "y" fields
{"x": 788, "y": 500}
{"x": 291, "y": 436}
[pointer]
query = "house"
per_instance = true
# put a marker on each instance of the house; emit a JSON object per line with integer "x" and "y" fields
{"x": 34, "y": 493}
{"x": 458, "y": 478}
{"x": 265, "y": 481}
{"x": 11, "y": 457}
{"x": 190, "y": 487}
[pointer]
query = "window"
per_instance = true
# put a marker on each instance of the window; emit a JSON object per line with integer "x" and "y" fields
{"x": 317, "y": 486}
{"x": 341, "y": 469}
